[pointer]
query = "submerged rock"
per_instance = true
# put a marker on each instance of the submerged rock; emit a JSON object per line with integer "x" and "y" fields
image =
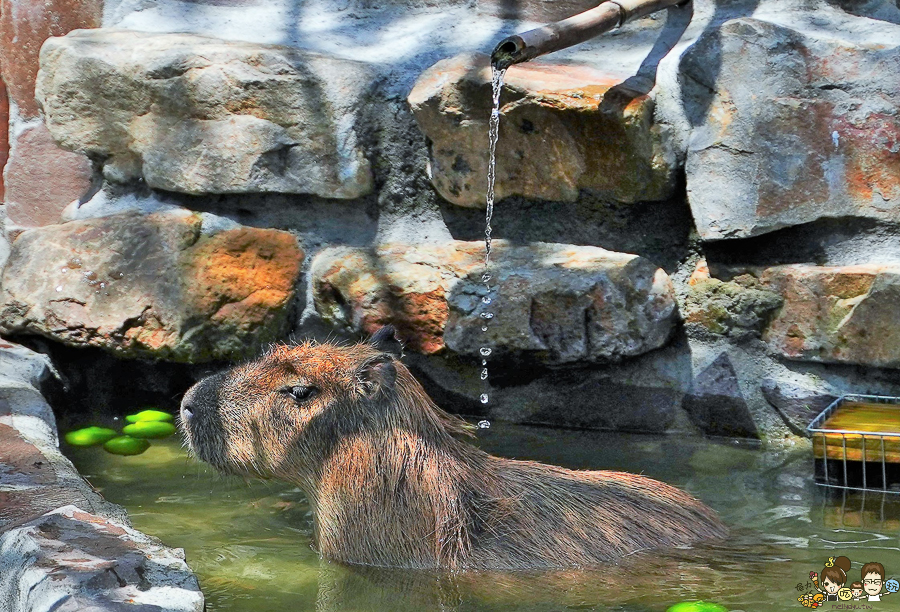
{"x": 563, "y": 129}
{"x": 790, "y": 126}
{"x": 152, "y": 286}
{"x": 558, "y": 303}
{"x": 200, "y": 115}
{"x": 836, "y": 314}
{"x": 716, "y": 404}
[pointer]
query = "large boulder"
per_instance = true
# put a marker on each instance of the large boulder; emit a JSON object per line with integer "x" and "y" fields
{"x": 200, "y": 115}
{"x": 789, "y": 126}
{"x": 838, "y": 314}
{"x": 558, "y": 303}
{"x": 159, "y": 286}
{"x": 562, "y": 129}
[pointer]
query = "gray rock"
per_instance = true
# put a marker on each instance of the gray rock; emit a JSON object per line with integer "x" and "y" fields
{"x": 789, "y": 126}
{"x": 557, "y": 303}
{"x": 200, "y": 115}
{"x": 715, "y": 403}
{"x": 158, "y": 286}
{"x": 796, "y": 405}
{"x": 739, "y": 308}
{"x": 69, "y": 560}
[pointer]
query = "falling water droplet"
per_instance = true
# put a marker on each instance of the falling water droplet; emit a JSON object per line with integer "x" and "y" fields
{"x": 59, "y": 288}
{"x": 486, "y": 299}
{"x": 484, "y": 398}
{"x": 484, "y": 374}
{"x": 487, "y": 315}
{"x": 484, "y": 362}
{"x": 484, "y": 424}
{"x": 484, "y": 328}
{"x": 485, "y": 277}
{"x": 485, "y": 351}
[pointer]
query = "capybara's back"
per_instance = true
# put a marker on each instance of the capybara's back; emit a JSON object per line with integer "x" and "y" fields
{"x": 393, "y": 483}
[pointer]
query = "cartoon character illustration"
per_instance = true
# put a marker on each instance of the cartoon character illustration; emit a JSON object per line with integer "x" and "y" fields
{"x": 811, "y": 601}
{"x": 857, "y": 590}
{"x": 873, "y": 580}
{"x": 833, "y": 577}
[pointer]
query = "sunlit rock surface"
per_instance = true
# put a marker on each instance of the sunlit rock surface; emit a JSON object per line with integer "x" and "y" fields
{"x": 846, "y": 314}
{"x": 561, "y": 303}
{"x": 97, "y": 564}
{"x": 562, "y": 129}
{"x": 791, "y": 124}
{"x": 152, "y": 286}
{"x": 201, "y": 115}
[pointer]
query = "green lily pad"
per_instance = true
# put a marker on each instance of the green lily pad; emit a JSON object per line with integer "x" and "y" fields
{"x": 149, "y": 415}
{"x": 149, "y": 429}
{"x": 90, "y": 436}
{"x": 126, "y": 445}
{"x": 697, "y": 606}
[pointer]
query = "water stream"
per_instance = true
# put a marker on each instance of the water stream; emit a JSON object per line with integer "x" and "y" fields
{"x": 487, "y": 312}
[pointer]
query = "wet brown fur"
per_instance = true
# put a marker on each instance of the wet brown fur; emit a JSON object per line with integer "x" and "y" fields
{"x": 392, "y": 483}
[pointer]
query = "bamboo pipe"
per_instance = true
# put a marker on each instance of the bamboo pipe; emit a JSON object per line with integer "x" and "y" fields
{"x": 574, "y": 30}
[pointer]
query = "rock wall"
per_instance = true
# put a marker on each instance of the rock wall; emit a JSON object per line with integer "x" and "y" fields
{"x": 699, "y": 219}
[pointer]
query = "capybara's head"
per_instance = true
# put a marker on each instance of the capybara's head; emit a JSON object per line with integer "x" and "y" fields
{"x": 282, "y": 414}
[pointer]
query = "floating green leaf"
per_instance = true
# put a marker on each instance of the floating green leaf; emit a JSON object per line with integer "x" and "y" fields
{"x": 697, "y": 606}
{"x": 149, "y": 415}
{"x": 90, "y": 436}
{"x": 149, "y": 429}
{"x": 126, "y": 445}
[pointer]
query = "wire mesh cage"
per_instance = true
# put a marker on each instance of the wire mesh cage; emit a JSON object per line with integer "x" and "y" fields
{"x": 856, "y": 443}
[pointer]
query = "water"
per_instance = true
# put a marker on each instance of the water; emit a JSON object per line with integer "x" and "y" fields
{"x": 493, "y": 135}
{"x": 250, "y": 541}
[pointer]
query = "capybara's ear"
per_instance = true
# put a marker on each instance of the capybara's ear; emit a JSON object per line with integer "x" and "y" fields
{"x": 375, "y": 374}
{"x": 385, "y": 340}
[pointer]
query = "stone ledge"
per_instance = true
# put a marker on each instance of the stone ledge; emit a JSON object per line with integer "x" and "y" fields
{"x": 62, "y": 546}
{"x": 558, "y": 303}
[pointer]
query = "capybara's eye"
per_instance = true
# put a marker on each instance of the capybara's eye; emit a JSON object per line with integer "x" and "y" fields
{"x": 299, "y": 393}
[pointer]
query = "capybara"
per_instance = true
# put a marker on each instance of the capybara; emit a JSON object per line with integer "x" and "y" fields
{"x": 392, "y": 482}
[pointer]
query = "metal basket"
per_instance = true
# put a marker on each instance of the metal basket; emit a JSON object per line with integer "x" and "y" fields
{"x": 871, "y": 444}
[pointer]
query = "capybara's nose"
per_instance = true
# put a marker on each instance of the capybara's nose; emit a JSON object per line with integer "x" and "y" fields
{"x": 200, "y": 398}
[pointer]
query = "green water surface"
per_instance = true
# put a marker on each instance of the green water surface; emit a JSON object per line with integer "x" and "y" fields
{"x": 250, "y": 542}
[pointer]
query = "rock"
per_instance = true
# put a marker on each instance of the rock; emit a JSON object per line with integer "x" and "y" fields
{"x": 715, "y": 403}
{"x": 738, "y": 308}
{"x": 4, "y": 135}
{"x": 790, "y": 127}
{"x": 558, "y": 303}
{"x": 840, "y": 314}
{"x": 796, "y": 405}
{"x": 70, "y": 560}
{"x": 200, "y": 115}
{"x": 42, "y": 179}
{"x": 24, "y": 26}
{"x": 642, "y": 394}
{"x": 562, "y": 129}
{"x": 224, "y": 294}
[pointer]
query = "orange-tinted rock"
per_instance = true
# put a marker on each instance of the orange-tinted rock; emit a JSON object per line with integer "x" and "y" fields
{"x": 559, "y": 303}
{"x": 836, "y": 314}
{"x": 24, "y": 26}
{"x": 562, "y": 129}
{"x": 790, "y": 126}
{"x": 42, "y": 179}
{"x": 152, "y": 286}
